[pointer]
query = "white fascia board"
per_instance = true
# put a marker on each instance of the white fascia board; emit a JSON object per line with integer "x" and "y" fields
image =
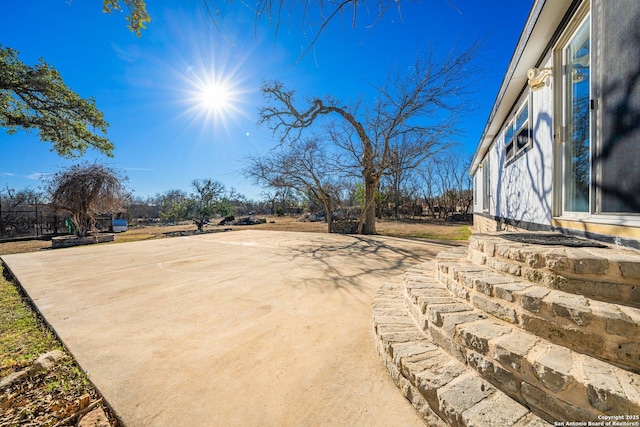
{"x": 541, "y": 25}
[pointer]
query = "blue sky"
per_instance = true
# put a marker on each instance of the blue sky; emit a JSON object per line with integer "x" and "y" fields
{"x": 150, "y": 88}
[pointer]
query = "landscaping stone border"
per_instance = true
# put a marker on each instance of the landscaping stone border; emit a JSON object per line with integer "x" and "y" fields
{"x": 70, "y": 241}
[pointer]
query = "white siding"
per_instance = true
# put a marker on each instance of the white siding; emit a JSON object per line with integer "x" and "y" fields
{"x": 522, "y": 190}
{"x": 478, "y": 191}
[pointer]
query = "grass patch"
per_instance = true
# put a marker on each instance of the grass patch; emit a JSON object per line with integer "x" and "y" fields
{"x": 135, "y": 237}
{"x": 23, "y": 337}
{"x": 460, "y": 233}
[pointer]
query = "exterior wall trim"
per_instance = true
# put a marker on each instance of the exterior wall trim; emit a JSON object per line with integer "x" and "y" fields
{"x": 618, "y": 235}
{"x": 502, "y": 222}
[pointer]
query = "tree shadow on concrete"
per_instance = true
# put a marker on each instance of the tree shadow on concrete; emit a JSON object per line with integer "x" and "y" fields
{"x": 380, "y": 258}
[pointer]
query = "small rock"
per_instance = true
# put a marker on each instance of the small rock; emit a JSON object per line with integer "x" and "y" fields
{"x": 13, "y": 377}
{"x": 46, "y": 361}
{"x": 227, "y": 220}
{"x": 95, "y": 418}
{"x": 249, "y": 220}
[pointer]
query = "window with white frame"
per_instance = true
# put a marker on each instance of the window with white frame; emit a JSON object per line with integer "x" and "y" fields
{"x": 486, "y": 184}
{"x": 517, "y": 133}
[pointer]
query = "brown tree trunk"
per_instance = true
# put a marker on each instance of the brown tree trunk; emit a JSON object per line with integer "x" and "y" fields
{"x": 328, "y": 208}
{"x": 368, "y": 218}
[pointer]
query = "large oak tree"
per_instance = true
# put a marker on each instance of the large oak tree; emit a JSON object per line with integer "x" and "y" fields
{"x": 36, "y": 97}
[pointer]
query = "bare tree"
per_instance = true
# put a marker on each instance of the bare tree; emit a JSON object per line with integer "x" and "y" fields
{"x": 416, "y": 111}
{"x": 425, "y": 176}
{"x": 84, "y": 191}
{"x": 446, "y": 185}
{"x": 238, "y": 203}
{"x": 464, "y": 186}
{"x": 395, "y": 182}
{"x": 312, "y": 16}
{"x": 303, "y": 166}
{"x": 207, "y": 199}
{"x": 16, "y": 211}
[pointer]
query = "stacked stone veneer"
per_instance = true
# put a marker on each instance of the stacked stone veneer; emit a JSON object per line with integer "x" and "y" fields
{"x": 504, "y": 333}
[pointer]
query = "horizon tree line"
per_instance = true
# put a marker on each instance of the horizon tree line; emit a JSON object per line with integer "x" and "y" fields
{"x": 439, "y": 188}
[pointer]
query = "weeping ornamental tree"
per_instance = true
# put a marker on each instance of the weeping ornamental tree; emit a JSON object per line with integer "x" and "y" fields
{"x": 85, "y": 191}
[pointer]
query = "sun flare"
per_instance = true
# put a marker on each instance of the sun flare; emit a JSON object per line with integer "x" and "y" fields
{"x": 210, "y": 86}
{"x": 216, "y": 97}
{"x": 214, "y": 94}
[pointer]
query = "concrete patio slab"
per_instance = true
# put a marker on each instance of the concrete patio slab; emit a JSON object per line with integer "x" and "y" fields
{"x": 241, "y": 328}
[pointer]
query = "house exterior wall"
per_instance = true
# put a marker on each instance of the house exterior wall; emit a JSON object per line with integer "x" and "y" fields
{"x": 526, "y": 192}
{"x": 521, "y": 189}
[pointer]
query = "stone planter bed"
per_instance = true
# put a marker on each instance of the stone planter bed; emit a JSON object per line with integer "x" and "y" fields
{"x": 69, "y": 241}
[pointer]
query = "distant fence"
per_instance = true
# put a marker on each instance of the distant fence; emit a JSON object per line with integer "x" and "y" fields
{"x": 36, "y": 221}
{"x": 29, "y": 221}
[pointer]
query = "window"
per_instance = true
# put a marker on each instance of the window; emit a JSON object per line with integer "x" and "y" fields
{"x": 523, "y": 131}
{"x": 508, "y": 142}
{"x": 577, "y": 120}
{"x": 486, "y": 184}
{"x": 616, "y": 150}
{"x": 517, "y": 133}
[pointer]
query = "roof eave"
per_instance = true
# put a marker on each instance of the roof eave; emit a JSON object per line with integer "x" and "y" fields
{"x": 544, "y": 19}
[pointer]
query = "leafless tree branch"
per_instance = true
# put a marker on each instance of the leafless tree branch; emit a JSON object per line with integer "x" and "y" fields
{"x": 415, "y": 113}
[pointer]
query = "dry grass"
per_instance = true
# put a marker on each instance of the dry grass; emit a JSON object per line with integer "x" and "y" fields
{"x": 431, "y": 230}
{"x": 7, "y": 248}
{"x": 423, "y": 229}
{"x": 22, "y": 336}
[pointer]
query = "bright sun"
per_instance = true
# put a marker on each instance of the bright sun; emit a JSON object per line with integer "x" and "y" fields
{"x": 214, "y": 94}
{"x": 208, "y": 82}
{"x": 216, "y": 97}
